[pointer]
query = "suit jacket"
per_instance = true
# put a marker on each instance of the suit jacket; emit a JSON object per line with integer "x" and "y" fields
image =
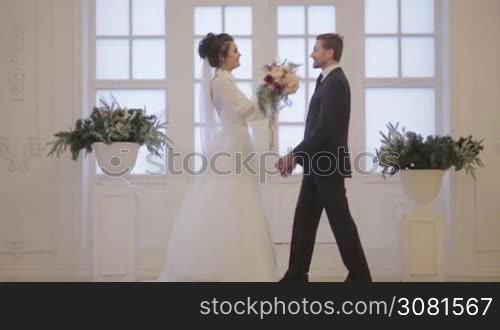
{"x": 324, "y": 150}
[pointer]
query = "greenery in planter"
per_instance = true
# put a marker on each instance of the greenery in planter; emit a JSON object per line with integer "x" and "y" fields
{"x": 108, "y": 124}
{"x": 407, "y": 150}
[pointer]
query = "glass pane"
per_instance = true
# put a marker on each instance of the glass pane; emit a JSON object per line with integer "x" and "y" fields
{"x": 381, "y": 16}
{"x": 146, "y": 164}
{"x": 312, "y": 72}
{"x": 418, "y": 57}
{"x": 112, "y": 17}
{"x": 197, "y": 116}
{"x": 148, "y": 17}
{"x": 321, "y": 19}
{"x": 289, "y": 137}
{"x": 310, "y": 88}
{"x": 244, "y": 71}
{"x": 151, "y": 99}
{"x": 198, "y": 62}
{"x": 154, "y": 102}
{"x": 246, "y": 88}
{"x": 413, "y": 108}
{"x": 417, "y": 16}
{"x": 149, "y": 59}
{"x": 294, "y": 51}
{"x": 112, "y": 59}
{"x": 291, "y": 20}
{"x": 296, "y": 112}
{"x": 381, "y": 57}
{"x": 238, "y": 20}
{"x": 207, "y": 19}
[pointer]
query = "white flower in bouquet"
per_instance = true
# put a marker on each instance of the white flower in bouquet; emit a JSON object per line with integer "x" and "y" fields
{"x": 291, "y": 82}
{"x": 277, "y": 72}
{"x": 280, "y": 81}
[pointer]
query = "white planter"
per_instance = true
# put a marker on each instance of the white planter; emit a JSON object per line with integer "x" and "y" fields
{"x": 422, "y": 186}
{"x": 116, "y": 159}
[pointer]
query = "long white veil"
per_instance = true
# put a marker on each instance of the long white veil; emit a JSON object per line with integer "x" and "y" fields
{"x": 208, "y": 114}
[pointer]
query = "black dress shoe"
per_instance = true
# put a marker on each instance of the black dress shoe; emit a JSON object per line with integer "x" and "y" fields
{"x": 349, "y": 279}
{"x": 304, "y": 278}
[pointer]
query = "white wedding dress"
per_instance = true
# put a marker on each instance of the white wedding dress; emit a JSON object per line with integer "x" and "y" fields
{"x": 220, "y": 233}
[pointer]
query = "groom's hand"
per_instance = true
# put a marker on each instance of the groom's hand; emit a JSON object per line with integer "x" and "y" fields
{"x": 286, "y": 165}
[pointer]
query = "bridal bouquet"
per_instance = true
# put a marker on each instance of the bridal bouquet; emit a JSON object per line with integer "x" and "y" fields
{"x": 279, "y": 82}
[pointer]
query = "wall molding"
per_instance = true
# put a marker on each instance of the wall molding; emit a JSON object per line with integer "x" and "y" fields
{"x": 30, "y": 56}
{"x": 16, "y": 64}
{"x": 40, "y": 275}
{"x": 20, "y": 248}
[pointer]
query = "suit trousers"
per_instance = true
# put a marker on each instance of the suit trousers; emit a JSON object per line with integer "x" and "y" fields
{"x": 329, "y": 193}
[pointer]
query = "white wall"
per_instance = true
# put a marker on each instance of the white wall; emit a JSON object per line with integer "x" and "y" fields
{"x": 475, "y": 109}
{"x": 42, "y": 236}
{"x": 45, "y": 229}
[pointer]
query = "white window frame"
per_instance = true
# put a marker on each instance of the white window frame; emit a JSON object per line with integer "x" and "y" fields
{"x": 179, "y": 35}
{"x": 306, "y": 80}
{"x": 341, "y": 6}
{"x": 435, "y": 83}
{"x": 95, "y": 84}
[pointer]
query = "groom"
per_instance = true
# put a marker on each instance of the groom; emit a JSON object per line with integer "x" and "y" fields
{"x": 324, "y": 156}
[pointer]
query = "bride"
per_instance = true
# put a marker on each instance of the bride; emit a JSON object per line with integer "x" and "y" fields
{"x": 220, "y": 232}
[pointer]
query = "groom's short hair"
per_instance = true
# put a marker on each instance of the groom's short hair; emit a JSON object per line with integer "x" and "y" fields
{"x": 332, "y": 41}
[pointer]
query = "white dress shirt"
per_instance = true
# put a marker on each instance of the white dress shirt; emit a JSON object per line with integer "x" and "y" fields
{"x": 329, "y": 69}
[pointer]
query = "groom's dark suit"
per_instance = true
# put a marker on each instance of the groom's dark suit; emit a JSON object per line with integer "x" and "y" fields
{"x": 324, "y": 156}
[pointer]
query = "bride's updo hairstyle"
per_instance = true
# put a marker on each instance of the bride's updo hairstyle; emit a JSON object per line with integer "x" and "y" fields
{"x": 214, "y": 47}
